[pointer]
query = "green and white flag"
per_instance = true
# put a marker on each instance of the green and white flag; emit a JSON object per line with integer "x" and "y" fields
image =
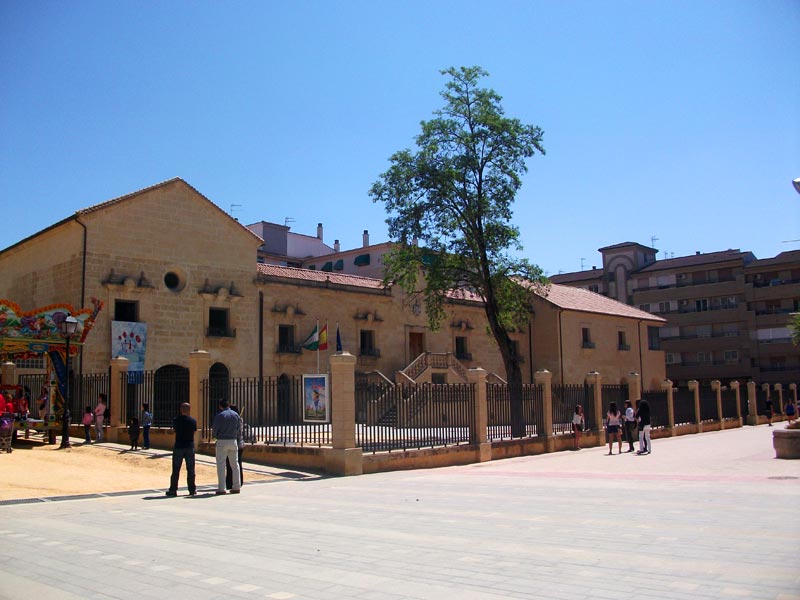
{"x": 312, "y": 343}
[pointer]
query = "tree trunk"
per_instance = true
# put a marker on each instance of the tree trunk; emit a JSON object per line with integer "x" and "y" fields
{"x": 514, "y": 374}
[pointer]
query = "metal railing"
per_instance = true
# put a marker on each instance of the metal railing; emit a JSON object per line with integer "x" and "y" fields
{"x": 659, "y": 416}
{"x": 498, "y": 399}
{"x": 683, "y": 406}
{"x": 565, "y": 398}
{"x": 708, "y": 405}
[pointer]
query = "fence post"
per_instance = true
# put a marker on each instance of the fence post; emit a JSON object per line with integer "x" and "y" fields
{"x": 752, "y": 404}
{"x": 634, "y": 381}
{"x": 667, "y": 386}
{"x": 199, "y": 363}
{"x": 477, "y": 377}
{"x": 545, "y": 379}
{"x": 9, "y": 373}
{"x": 779, "y": 388}
{"x": 593, "y": 378}
{"x": 716, "y": 387}
{"x": 118, "y": 366}
{"x": 694, "y": 386}
{"x": 734, "y": 385}
{"x": 345, "y": 458}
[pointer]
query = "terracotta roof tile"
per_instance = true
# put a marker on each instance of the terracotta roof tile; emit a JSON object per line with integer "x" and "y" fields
{"x": 696, "y": 260}
{"x": 319, "y": 276}
{"x": 571, "y": 298}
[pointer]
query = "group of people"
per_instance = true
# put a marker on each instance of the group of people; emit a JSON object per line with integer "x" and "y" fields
{"x": 228, "y": 429}
{"x": 96, "y": 417}
{"x": 619, "y": 426}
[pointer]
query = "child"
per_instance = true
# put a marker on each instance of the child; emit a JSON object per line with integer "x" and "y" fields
{"x": 88, "y": 419}
{"x": 790, "y": 410}
{"x": 147, "y": 421}
{"x": 133, "y": 433}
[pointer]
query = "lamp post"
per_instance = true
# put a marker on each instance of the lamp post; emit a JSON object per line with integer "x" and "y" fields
{"x": 67, "y": 328}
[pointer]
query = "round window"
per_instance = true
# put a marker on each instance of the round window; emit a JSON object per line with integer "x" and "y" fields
{"x": 172, "y": 281}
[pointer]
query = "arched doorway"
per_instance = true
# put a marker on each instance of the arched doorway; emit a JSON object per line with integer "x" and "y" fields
{"x": 284, "y": 400}
{"x": 170, "y": 390}
{"x": 218, "y": 387}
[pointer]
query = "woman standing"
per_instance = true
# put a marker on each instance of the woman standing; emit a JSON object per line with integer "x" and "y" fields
{"x": 578, "y": 425}
{"x": 99, "y": 417}
{"x": 613, "y": 423}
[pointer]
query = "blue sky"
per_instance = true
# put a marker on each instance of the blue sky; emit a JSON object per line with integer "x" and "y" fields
{"x": 673, "y": 119}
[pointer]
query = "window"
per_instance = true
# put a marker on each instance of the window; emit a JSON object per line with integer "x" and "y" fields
{"x": 218, "y": 323}
{"x": 653, "y": 341}
{"x": 703, "y": 331}
{"x": 594, "y": 288}
{"x": 622, "y": 343}
{"x": 368, "y": 343}
{"x": 461, "y": 349}
{"x": 731, "y": 357}
{"x": 644, "y": 307}
{"x": 730, "y": 329}
{"x": 668, "y": 333}
{"x": 672, "y": 358}
{"x": 663, "y": 307}
{"x": 286, "y": 340}
{"x": 586, "y": 338}
{"x": 36, "y": 362}
{"x": 126, "y": 310}
{"x": 728, "y": 302}
{"x": 704, "y": 357}
{"x": 701, "y": 305}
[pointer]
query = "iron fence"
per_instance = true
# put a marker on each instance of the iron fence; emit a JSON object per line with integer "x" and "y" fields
{"x": 566, "y": 398}
{"x": 498, "y": 401}
{"x": 271, "y": 408}
{"x": 163, "y": 390}
{"x": 403, "y": 417}
{"x": 683, "y": 406}
{"x": 659, "y": 411}
{"x": 84, "y": 390}
{"x": 729, "y": 403}
{"x": 616, "y": 393}
{"x": 708, "y": 405}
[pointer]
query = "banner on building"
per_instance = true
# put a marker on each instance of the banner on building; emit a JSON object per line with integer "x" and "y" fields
{"x": 129, "y": 340}
{"x": 316, "y": 407}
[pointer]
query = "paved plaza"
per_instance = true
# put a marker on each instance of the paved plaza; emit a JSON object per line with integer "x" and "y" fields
{"x": 704, "y": 517}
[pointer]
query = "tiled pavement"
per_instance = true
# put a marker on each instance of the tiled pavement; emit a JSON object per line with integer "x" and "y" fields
{"x": 704, "y": 517}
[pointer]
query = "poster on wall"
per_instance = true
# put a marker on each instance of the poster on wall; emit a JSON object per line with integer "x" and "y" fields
{"x": 129, "y": 340}
{"x": 316, "y": 405}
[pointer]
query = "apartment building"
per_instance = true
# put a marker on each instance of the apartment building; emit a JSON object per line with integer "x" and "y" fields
{"x": 727, "y": 312}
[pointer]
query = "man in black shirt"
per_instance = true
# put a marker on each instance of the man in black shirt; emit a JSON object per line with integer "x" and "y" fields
{"x": 185, "y": 427}
{"x": 643, "y": 418}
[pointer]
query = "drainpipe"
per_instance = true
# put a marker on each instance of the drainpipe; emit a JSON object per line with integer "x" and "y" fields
{"x": 560, "y": 347}
{"x": 530, "y": 351}
{"x": 641, "y": 363}
{"x": 261, "y": 355}
{"x": 83, "y": 282}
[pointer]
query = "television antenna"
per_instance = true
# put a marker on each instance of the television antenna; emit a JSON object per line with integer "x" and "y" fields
{"x": 287, "y": 220}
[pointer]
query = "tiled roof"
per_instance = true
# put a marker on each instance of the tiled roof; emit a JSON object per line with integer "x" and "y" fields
{"x": 319, "y": 276}
{"x": 571, "y": 298}
{"x": 624, "y": 245}
{"x": 791, "y": 256}
{"x": 593, "y": 275}
{"x": 696, "y": 260}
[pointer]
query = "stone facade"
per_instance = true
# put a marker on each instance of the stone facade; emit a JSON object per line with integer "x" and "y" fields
{"x": 168, "y": 256}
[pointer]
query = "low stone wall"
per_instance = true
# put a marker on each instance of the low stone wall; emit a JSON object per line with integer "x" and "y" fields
{"x": 786, "y": 443}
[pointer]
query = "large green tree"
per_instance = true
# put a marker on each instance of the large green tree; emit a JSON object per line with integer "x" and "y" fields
{"x": 450, "y": 207}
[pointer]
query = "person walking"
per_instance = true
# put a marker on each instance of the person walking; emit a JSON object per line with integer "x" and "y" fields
{"x": 147, "y": 421}
{"x": 88, "y": 419}
{"x": 613, "y": 425}
{"x": 240, "y": 451}
{"x": 183, "y": 450}
{"x": 226, "y": 430}
{"x": 578, "y": 425}
{"x": 643, "y": 419}
{"x": 100, "y": 416}
{"x": 790, "y": 410}
{"x": 629, "y": 425}
{"x": 768, "y": 409}
{"x": 133, "y": 433}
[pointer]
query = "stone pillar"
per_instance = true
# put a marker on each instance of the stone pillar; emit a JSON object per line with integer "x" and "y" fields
{"x": 593, "y": 378}
{"x": 116, "y": 390}
{"x": 634, "y": 381}
{"x": 545, "y": 379}
{"x": 667, "y": 385}
{"x": 345, "y": 458}
{"x": 9, "y": 373}
{"x": 779, "y": 388}
{"x": 199, "y": 364}
{"x": 716, "y": 387}
{"x": 694, "y": 386}
{"x": 752, "y": 404}
{"x": 734, "y": 385}
{"x": 793, "y": 392}
{"x": 477, "y": 377}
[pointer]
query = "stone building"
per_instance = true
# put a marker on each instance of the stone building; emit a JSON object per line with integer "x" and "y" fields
{"x": 168, "y": 258}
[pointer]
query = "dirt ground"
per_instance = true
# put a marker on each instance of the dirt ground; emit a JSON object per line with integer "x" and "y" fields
{"x": 36, "y": 470}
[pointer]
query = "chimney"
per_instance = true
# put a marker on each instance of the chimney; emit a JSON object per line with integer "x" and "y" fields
{"x": 697, "y": 252}
{"x": 319, "y": 231}
{"x": 366, "y": 238}
{"x": 336, "y": 245}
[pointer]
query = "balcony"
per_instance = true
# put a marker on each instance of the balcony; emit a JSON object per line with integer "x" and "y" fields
{"x": 370, "y": 352}
{"x": 589, "y": 345}
{"x": 624, "y": 347}
{"x": 464, "y": 355}
{"x": 289, "y": 349}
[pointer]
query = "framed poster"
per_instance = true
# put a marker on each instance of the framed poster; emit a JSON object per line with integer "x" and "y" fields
{"x": 316, "y": 404}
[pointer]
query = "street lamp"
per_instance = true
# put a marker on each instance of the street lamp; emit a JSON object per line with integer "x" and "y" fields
{"x": 67, "y": 328}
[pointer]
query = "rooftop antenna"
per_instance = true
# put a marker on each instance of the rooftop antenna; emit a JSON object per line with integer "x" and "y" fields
{"x": 234, "y": 206}
{"x": 288, "y": 220}
{"x": 583, "y": 260}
